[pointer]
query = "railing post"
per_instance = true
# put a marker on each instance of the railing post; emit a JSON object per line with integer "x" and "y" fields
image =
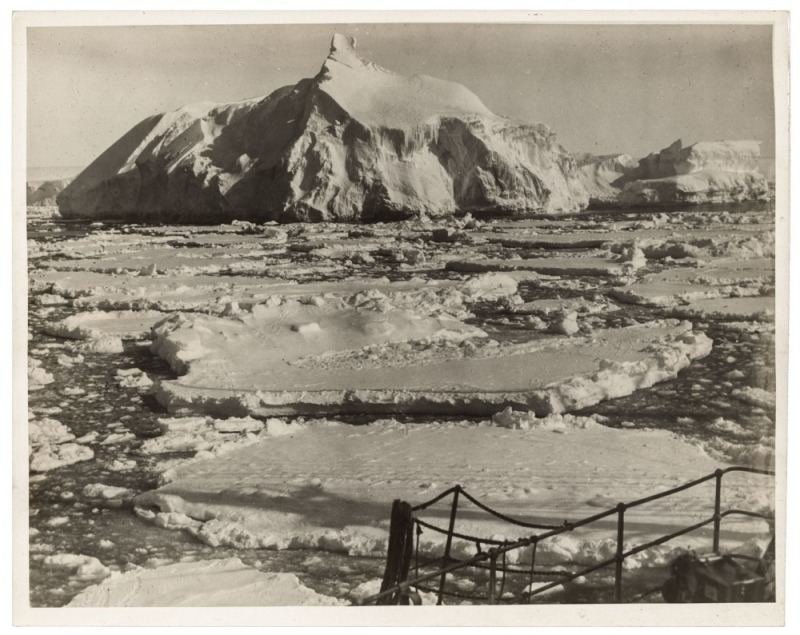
{"x": 717, "y": 508}
{"x": 533, "y": 568}
{"x": 448, "y": 543}
{"x": 492, "y": 573}
{"x": 620, "y": 551}
{"x": 398, "y": 555}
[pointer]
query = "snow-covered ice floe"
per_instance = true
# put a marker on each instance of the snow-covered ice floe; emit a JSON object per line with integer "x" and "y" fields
{"x": 223, "y": 582}
{"x": 136, "y": 300}
{"x": 97, "y": 325}
{"x": 330, "y": 486}
{"x": 365, "y": 354}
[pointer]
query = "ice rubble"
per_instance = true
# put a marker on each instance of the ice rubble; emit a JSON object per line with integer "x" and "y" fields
{"x": 133, "y": 378}
{"x": 52, "y": 445}
{"x": 81, "y": 567}
{"x": 50, "y": 299}
{"x": 362, "y": 143}
{"x": 558, "y": 306}
{"x": 509, "y": 418}
{"x": 38, "y": 376}
{"x": 108, "y": 495}
{"x": 46, "y": 430}
{"x": 755, "y": 396}
{"x": 223, "y": 582}
{"x": 198, "y": 434}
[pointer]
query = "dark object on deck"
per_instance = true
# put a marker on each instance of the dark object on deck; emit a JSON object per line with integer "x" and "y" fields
{"x": 716, "y": 578}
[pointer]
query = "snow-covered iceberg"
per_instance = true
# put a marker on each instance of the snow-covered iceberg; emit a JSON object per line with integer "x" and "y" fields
{"x": 706, "y": 172}
{"x": 356, "y": 142}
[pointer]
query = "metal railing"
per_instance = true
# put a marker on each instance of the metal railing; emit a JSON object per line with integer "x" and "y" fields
{"x": 405, "y": 526}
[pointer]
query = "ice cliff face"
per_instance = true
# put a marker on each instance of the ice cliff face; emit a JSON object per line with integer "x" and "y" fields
{"x": 356, "y": 142}
{"x": 706, "y": 172}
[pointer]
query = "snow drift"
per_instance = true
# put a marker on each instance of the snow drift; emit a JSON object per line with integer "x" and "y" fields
{"x": 706, "y": 172}
{"x": 356, "y": 142}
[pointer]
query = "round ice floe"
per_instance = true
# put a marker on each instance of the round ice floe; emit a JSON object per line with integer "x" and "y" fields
{"x": 95, "y": 325}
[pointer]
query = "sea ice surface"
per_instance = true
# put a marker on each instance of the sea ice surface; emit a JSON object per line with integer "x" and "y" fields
{"x": 223, "y": 582}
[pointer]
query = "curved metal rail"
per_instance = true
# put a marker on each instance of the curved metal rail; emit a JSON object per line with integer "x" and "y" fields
{"x": 397, "y": 589}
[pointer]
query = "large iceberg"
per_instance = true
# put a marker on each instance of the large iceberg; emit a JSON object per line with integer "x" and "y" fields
{"x": 706, "y": 172}
{"x": 356, "y": 142}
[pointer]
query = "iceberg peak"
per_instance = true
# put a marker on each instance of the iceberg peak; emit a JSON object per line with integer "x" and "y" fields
{"x": 343, "y": 43}
{"x": 343, "y": 53}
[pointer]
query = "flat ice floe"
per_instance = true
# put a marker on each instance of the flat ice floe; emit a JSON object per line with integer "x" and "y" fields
{"x": 96, "y": 325}
{"x": 585, "y": 266}
{"x": 223, "y": 582}
{"x": 184, "y": 292}
{"x": 330, "y": 486}
{"x": 681, "y": 286}
{"x": 365, "y": 354}
{"x": 759, "y": 309}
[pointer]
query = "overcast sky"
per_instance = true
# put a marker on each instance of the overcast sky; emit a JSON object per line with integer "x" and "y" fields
{"x": 601, "y": 89}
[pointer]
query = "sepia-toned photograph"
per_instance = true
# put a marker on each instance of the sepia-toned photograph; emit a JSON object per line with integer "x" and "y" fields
{"x": 375, "y": 316}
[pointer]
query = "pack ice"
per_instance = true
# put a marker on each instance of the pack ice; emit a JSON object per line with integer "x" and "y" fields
{"x": 356, "y": 142}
